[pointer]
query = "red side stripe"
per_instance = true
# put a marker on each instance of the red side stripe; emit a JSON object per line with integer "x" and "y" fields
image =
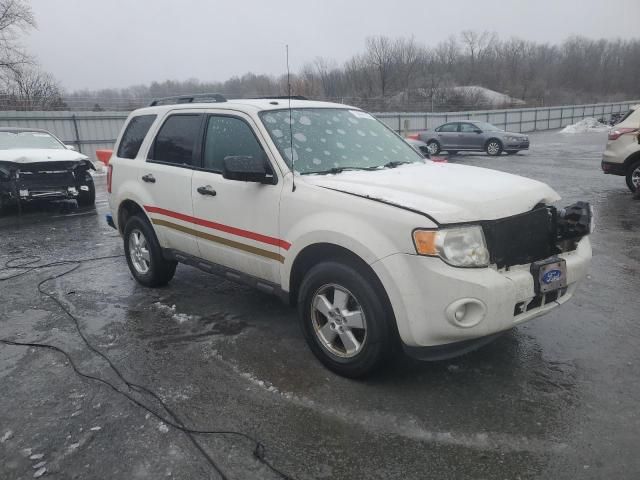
{"x": 223, "y": 228}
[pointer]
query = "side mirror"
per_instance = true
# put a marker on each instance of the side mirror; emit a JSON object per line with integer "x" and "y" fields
{"x": 246, "y": 168}
{"x": 71, "y": 147}
{"x": 477, "y": 130}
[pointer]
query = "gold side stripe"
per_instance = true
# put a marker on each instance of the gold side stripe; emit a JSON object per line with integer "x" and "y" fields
{"x": 224, "y": 241}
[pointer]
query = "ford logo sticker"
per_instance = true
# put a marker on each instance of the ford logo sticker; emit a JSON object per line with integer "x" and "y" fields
{"x": 551, "y": 276}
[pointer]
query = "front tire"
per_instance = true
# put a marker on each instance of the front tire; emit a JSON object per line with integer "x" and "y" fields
{"x": 434, "y": 147}
{"x": 633, "y": 176}
{"x": 344, "y": 319}
{"x": 493, "y": 147}
{"x": 144, "y": 255}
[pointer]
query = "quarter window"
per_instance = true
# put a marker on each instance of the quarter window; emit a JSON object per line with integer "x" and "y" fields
{"x": 176, "y": 140}
{"x": 134, "y": 136}
{"x": 228, "y": 136}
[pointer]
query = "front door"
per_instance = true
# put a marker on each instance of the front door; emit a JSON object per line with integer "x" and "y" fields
{"x": 469, "y": 136}
{"x": 238, "y": 221}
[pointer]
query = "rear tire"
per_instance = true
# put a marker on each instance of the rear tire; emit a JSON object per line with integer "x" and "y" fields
{"x": 633, "y": 176}
{"x": 337, "y": 301}
{"x": 87, "y": 198}
{"x": 144, "y": 254}
{"x": 493, "y": 147}
{"x": 434, "y": 147}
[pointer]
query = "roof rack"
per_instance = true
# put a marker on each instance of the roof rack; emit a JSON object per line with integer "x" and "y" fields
{"x": 281, "y": 97}
{"x": 199, "y": 98}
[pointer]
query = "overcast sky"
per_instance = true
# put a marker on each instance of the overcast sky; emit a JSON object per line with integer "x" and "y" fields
{"x": 117, "y": 43}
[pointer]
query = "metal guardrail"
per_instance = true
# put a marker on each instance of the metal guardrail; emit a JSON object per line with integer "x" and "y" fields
{"x": 514, "y": 120}
{"x": 89, "y": 131}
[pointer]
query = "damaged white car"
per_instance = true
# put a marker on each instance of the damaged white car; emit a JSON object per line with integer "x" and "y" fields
{"x": 36, "y": 165}
{"x": 328, "y": 208}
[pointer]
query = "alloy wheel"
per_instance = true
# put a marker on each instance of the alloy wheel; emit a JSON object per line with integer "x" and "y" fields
{"x": 338, "y": 321}
{"x": 139, "y": 252}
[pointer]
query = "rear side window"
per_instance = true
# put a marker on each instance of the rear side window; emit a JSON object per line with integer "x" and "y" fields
{"x": 228, "y": 136}
{"x": 449, "y": 127}
{"x": 134, "y": 135}
{"x": 176, "y": 140}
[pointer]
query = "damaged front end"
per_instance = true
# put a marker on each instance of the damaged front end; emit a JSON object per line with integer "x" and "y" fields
{"x": 538, "y": 234}
{"x": 51, "y": 180}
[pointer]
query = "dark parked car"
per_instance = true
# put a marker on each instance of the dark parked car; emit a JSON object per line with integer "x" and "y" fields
{"x": 34, "y": 165}
{"x": 470, "y": 135}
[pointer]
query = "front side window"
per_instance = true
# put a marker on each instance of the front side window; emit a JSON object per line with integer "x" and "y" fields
{"x": 326, "y": 139}
{"x": 134, "y": 136}
{"x": 468, "y": 127}
{"x": 37, "y": 140}
{"x": 226, "y": 137}
{"x": 487, "y": 127}
{"x": 176, "y": 140}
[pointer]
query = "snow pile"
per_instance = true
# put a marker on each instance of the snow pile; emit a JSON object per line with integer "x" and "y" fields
{"x": 586, "y": 125}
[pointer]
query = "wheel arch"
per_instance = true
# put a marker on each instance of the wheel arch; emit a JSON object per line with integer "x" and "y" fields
{"x": 126, "y": 209}
{"x": 630, "y": 160}
{"x": 490, "y": 139}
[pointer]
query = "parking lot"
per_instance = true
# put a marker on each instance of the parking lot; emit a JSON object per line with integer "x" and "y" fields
{"x": 554, "y": 398}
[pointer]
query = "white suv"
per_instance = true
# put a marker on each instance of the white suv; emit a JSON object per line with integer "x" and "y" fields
{"x": 622, "y": 155}
{"x": 377, "y": 246}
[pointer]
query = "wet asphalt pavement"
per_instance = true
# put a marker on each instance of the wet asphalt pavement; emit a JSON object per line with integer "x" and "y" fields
{"x": 555, "y": 398}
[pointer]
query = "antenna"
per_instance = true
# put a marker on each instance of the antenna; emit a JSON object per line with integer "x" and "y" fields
{"x": 293, "y": 172}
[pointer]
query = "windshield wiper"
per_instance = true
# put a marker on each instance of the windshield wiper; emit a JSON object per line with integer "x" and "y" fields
{"x": 394, "y": 164}
{"x": 336, "y": 170}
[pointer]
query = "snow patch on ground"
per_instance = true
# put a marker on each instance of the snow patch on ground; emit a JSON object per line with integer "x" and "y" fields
{"x": 586, "y": 125}
{"x": 171, "y": 311}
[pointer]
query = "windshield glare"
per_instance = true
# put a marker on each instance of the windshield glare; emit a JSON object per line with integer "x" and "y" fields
{"x": 334, "y": 138}
{"x": 39, "y": 140}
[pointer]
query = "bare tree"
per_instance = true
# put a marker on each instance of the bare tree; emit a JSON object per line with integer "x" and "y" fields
{"x": 32, "y": 89}
{"x": 16, "y": 17}
{"x": 380, "y": 54}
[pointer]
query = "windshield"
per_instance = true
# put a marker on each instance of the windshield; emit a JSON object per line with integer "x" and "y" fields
{"x": 13, "y": 140}
{"x": 487, "y": 127}
{"x": 327, "y": 140}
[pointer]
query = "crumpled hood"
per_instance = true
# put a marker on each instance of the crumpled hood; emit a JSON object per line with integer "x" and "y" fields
{"x": 449, "y": 193}
{"x": 37, "y": 155}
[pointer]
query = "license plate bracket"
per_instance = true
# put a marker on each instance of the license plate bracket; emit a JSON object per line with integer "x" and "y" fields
{"x": 549, "y": 275}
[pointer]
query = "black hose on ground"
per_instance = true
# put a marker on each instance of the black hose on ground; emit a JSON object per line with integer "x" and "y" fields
{"x": 28, "y": 264}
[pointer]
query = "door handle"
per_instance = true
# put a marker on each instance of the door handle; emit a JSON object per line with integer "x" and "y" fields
{"x": 148, "y": 178}
{"x": 206, "y": 190}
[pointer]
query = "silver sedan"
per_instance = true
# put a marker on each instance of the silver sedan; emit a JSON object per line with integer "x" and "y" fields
{"x": 472, "y": 135}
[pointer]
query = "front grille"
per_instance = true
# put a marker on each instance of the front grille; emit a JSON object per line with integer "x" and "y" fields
{"x": 35, "y": 180}
{"x": 523, "y": 238}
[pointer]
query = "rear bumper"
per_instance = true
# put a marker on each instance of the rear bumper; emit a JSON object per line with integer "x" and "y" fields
{"x": 612, "y": 168}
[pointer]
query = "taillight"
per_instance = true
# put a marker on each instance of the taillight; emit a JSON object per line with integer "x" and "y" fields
{"x": 415, "y": 136}
{"x": 109, "y": 177}
{"x": 615, "y": 134}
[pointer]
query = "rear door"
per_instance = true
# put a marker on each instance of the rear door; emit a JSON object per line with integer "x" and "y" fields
{"x": 166, "y": 176}
{"x": 238, "y": 221}
{"x": 447, "y": 135}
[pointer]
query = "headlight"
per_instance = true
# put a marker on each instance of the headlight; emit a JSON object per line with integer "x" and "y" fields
{"x": 459, "y": 247}
{"x": 513, "y": 139}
